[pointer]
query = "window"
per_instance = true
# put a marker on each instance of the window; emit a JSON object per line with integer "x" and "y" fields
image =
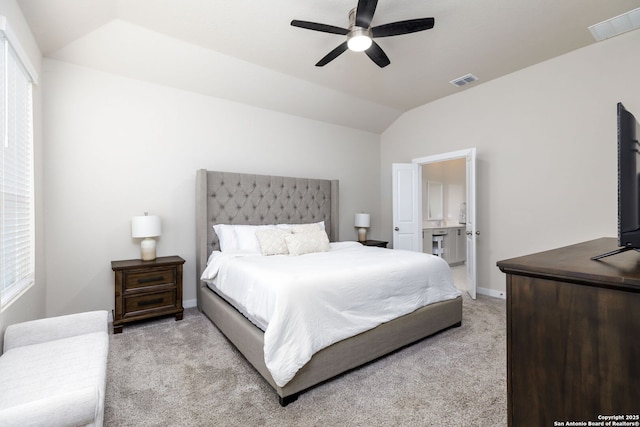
{"x": 17, "y": 236}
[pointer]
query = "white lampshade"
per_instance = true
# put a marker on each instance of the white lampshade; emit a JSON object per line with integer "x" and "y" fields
{"x": 362, "y": 220}
{"x": 146, "y": 226}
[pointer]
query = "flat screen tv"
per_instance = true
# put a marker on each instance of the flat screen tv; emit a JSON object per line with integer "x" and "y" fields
{"x": 628, "y": 183}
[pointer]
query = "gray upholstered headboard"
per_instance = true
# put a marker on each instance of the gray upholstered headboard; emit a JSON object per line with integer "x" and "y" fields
{"x": 236, "y": 198}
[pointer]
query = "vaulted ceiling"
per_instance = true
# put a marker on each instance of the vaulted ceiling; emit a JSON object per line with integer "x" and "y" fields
{"x": 247, "y": 51}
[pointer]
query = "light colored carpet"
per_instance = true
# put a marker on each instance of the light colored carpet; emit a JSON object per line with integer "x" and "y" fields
{"x": 185, "y": 373}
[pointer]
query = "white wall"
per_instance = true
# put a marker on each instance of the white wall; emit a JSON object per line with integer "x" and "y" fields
{"x": 546, "y": 149}
{"x": 30, "y": 305}
{"x": 117, "y": 147}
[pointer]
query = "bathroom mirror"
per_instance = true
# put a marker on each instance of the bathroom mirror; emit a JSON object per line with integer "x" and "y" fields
{"x": 434, "y": 201}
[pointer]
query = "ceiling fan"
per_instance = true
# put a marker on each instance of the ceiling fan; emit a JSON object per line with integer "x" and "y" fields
{"x": 360, "y": 34}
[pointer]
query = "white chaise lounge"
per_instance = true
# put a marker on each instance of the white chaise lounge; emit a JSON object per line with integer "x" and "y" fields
{"x": 53, "y": 371}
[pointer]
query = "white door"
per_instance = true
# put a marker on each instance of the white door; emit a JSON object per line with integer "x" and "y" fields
{"x": 472, "y": 231}
{"x": 471, "y": 227}
{"x": 407, "y": 206}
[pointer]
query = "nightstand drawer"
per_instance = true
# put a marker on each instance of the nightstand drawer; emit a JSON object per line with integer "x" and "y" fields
{"x": 146, "y": 278}
{"x": 144, "y": 303}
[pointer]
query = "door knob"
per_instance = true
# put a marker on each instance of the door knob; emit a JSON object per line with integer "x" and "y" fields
{"x": 477, "y": 233}
{"x": 396, "y": 229}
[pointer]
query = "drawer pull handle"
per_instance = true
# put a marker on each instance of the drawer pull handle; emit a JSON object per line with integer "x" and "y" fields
{"x": 150, "y": 302}
{"x": 151, "y": 279}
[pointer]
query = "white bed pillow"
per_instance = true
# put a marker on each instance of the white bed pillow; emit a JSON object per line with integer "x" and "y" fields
{"x": 272, "y": 241}
{"x": 246, "y": 236}
{"x": 318, "y": 226}
{"x": 239, "y": 237}
{"x": 306, "y": 243}
{"x": 226, "y": 237}
{"x": 306, "y": 228}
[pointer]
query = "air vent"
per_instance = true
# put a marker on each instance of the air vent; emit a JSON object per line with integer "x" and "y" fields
{"x": 617, "y": 25}
{"x": 461, "y": 81}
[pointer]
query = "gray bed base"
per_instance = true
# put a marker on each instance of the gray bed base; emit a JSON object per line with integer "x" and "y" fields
{"x": 315, "y": 200}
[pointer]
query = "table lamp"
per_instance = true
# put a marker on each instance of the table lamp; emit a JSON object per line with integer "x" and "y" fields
{"x": 145, "y": 227}
{"x": 362, "y": 222}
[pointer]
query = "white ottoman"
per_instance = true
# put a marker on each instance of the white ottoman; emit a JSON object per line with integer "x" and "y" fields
{"x": 53, "y": 371}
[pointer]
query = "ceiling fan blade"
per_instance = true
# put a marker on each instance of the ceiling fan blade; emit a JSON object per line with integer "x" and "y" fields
{"x": 364, "y": 12}
{"x": 377, "y": 55}
{"x": 319, "y": 27}
{"x": 332, "y": 55}
{"x": 403, "y": 27}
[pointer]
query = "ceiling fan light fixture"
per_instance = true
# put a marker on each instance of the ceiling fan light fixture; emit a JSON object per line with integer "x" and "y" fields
{"x": 360, "y": 33}
{"x": 359, "y": 39}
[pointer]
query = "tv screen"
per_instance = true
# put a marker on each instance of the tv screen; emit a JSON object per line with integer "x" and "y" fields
{"x": 628, "y": 183}
{"x": 628, "y": 180}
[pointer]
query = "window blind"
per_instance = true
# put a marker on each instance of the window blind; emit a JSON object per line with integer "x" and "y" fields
{"x": 17, "y": 236}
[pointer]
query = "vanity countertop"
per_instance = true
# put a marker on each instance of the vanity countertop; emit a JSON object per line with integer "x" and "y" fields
{"x": 430, "y": 226}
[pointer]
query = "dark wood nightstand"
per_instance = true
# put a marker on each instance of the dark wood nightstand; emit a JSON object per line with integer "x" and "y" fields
{"x": 378, "y": 243}
{"x": 147, "y": 289}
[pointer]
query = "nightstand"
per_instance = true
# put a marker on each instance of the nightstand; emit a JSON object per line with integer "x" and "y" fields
{"x": 147, "y": 289}
{"x": 378, "y": 243}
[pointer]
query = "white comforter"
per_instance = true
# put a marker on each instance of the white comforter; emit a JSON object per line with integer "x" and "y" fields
{"x": 306, "y": 303}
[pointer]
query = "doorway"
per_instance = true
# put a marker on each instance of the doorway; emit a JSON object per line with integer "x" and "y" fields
{"x": 402, "y": 196}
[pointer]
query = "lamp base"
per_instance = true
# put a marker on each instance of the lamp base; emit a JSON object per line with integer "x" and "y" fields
{"x": 148, "y": 249}
{"x": 362, "y": 234}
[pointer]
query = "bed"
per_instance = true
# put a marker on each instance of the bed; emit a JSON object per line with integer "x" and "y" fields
{"x": 233, "y": 198}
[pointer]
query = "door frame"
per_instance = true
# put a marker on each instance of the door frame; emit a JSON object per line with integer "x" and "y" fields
{"x": 472, "y": 274}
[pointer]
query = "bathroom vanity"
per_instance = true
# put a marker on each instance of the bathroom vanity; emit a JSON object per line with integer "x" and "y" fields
{"x": 448, "y": 242}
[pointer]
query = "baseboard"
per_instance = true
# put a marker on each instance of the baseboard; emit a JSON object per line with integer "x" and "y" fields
{"x": 492, "y": 293}
{"x": 190, "y": 303}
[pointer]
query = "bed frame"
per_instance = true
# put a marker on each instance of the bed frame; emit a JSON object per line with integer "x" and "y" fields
{"x": 233, "y": 198}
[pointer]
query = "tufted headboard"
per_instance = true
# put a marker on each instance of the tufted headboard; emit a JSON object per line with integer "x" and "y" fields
{"x": 236, "y": 198}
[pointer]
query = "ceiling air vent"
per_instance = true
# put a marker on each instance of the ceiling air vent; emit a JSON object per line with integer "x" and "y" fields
{"x": 616, "y": 25}
{"x": 461, "y": 81}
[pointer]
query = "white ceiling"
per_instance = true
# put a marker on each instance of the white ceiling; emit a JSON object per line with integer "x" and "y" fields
{"x": 252, "y": 40}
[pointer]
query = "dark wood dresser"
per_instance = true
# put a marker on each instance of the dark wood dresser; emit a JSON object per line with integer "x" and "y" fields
{"x": 573, "y": 335}
{"x": 147, "y": 289}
